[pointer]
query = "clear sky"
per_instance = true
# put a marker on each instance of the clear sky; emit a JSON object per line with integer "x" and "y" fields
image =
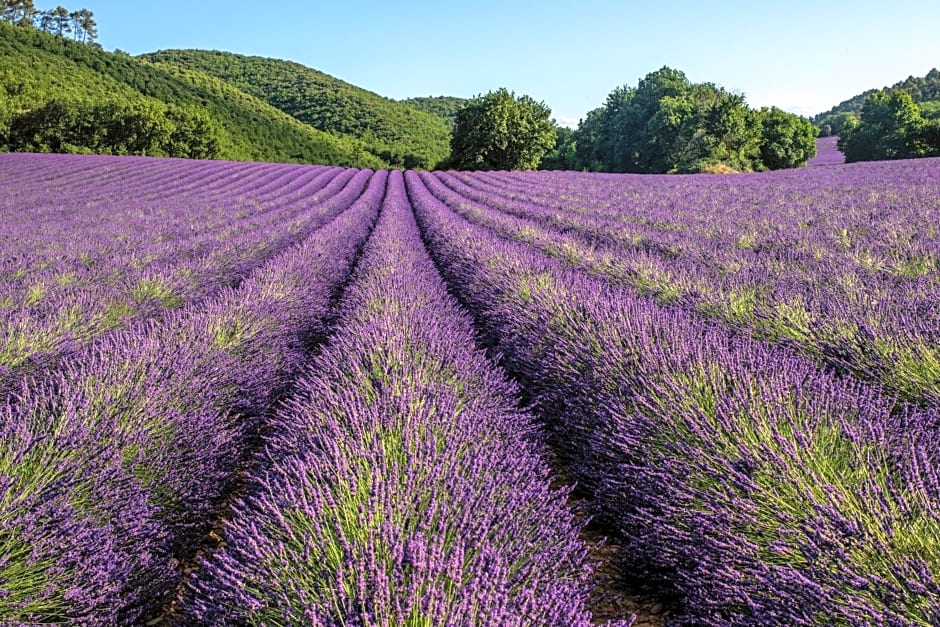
{"x": 801, "y": 56}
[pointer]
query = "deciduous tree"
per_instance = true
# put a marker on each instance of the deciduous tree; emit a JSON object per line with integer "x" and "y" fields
{"x": 499, "y": 131}
{"x": 788, "y": 140}
{"x": 890, "y": 127}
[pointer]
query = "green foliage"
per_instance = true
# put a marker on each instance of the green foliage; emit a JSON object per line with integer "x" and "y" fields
{"x": 36, "y": 67}
{"x": 6, "y": 114}
{"x": 930, "y": 135}
{"x": 788, "y": 140}
{"x": 114, "y": 127}
{"x": 834, "y": 123}
{"x": 589, "y": 141}
{"x": 442, "y": 106}
{"x": 58, "y": 21}
{"x": 394, "y": 132}
{"x": 564, "y": 155}
{"x": 669, "y": 124}
{"x": 501, "y": 132}
{"x": 890, "y": 127}
{"x": 921, "y": 90}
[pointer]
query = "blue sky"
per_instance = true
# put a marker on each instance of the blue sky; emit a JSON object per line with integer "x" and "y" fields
{"x": 801, "y": 56}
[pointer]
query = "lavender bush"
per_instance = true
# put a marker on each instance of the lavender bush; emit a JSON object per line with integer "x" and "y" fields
{"x": 763, "y": 488}
{"x": 741, "y": 372}
{"x": 401, "y": 485}
{"x": 794, "y": 260}
{"x": 827, "y": 152}
{"x": 122, "y": 255}
{"x": 135, "y": 440}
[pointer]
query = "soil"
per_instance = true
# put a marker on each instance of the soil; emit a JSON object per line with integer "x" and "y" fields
{"x": 616, "y": 597}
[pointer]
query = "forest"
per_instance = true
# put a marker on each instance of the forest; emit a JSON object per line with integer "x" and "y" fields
{"x": 398, "y": 134}
{"x": 37, "y": 67}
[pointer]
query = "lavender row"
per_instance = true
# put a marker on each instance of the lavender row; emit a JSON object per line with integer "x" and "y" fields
{"x": 41, "y": 193}
{"x": 761, "y": 487}
{"x": 113, "y": 222}
{"x": 114, "y": 466}
{"x": 44, "y": 279}
{"x": 872, "y": 325}
{"x": 95, "y": 229}
{"x": 827, "y": 152}
{"x": 876, "y": 218}
{"x": 42, "y": 329}
{"x": 878, "y": 221}
{"x": 401, "y": 484}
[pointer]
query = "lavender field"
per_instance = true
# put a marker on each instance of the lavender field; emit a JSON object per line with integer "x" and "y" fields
{"x": 271, "y": 394}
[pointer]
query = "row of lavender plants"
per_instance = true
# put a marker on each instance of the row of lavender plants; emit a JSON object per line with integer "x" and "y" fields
{"x": 401, "y": 485}
{"x": 763, "y": 488}
{"x": 115, "y": 464}
{"x": 827, "y": 152}
{"x": 120, "y": 206}
{"x": 76, "y": 297}
{"x": 859, "y": 296}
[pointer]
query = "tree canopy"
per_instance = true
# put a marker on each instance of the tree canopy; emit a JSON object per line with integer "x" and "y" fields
{"x": 395, "y": 132}
{"x": 59, "y": 21}
{"x": 921, "y": 89}
{"x": 669, "y": 124}
{"x": 499, "y": 131}
{"x": 788, "y": 141}
{"x": 890, "y": 126}
{"x": 563, "y": 156}
{"x": 115, "y": 127}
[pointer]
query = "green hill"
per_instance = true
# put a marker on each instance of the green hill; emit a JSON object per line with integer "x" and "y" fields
{"x": 36, "y": 67}
{"x": 442, "y": 106}
{"x": 398, "y": 133}
{"x": 922, "y": 90}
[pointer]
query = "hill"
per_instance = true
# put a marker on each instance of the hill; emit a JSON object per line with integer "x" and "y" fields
{"x": 442, "y": 106}
{"x": 36, "y": 67}
{"x": 922, "y": 90}
{"x": 396, "y": 132}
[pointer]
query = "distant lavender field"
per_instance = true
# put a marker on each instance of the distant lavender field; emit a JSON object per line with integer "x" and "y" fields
{"x": 827, "y": 153}
{"x": 266, "y": 394}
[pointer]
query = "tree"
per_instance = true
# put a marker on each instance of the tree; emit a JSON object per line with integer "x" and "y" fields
{"x": 587, "y": 141}
{"x": 115, "y": 127}
{"x": 890, "y": 127}
{"x": 61, "y": 21}
{"x": 501, "y": 132}
{"x": 834, "y": 123}
{"x": 669, "y": 124}
{"x": 17, "y": 11}
{"x": 194, "y": 134}
{"x": 930, "y": 135}
{"x": 788, "y": 140}
{"x": 6, "y": 112}
{"x": 563, "y": 156}
{"x": 84, "y": 28}
{"x": 652, "y": 121}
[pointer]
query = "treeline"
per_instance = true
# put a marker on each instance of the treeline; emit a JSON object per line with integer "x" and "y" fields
{"x": 922, "y": 90}
{"x": 113, "y": 127}
{"x": 59, "y": 21}
{"x": 891, "y": 125}
{"x": 36, "y": 68}
{"x": 669, "y": 124}
{"x": 664, "y": 124}
{"x": 399, "y": 134}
